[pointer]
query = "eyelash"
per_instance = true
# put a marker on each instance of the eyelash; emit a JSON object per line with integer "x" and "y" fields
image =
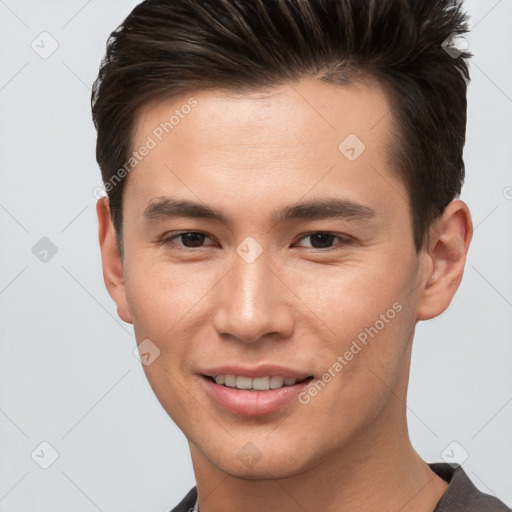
{"x": 344, "y": 240}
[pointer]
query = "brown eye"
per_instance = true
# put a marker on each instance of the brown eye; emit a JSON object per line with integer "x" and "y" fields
{"x": 189, "y": 239}
{"x": 323, "y": 240}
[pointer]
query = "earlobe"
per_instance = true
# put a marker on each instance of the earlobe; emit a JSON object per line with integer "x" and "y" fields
{"x": 111, "y": 260}
{"x": 449, "y": 240}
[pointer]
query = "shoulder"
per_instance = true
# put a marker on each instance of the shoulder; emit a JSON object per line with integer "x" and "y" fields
{"x": 462, "y": 494}
{"x": 188, "y": 502}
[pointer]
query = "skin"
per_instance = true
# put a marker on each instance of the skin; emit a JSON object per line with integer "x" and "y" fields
{"x": 296, "y": 305}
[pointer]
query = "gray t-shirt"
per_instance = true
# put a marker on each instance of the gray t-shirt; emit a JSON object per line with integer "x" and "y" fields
{"x": 461, "y": 494}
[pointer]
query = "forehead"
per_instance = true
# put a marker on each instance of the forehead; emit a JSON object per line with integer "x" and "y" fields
{"x": 277, "y": 117}
{"x": 293, "y": 137}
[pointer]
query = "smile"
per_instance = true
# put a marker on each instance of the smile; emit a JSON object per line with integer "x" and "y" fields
{"x": 256, "y": 384}
{"x": 248, "y": 399}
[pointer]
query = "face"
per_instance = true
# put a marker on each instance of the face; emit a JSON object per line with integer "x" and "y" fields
{"x": 248, "y": 278}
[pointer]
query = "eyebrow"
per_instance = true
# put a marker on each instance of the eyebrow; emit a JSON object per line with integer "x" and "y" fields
{"x": 161, "y": 208}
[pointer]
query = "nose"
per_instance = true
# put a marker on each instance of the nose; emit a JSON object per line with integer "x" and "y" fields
{"x": 253, "y": 303}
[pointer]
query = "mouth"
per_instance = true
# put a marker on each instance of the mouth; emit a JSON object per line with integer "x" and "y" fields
{"x": 255, "y": 384}
{"x": 254, "y": 396}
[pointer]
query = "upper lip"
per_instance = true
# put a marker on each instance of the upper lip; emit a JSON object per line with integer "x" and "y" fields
{"x": 264, "y": 370}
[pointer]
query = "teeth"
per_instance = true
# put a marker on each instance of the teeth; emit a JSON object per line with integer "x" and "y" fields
{"x": 229, "y": 380}
{"x": 243, "y": 383}
{"x": 261, "y": 383}
{"x": 258, "y": 384}
{"x": 276, "y": 382}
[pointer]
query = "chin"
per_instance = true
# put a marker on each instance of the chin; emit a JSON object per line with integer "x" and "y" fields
{"x": 262, "y": 470}
{"x": 251, "y": 463}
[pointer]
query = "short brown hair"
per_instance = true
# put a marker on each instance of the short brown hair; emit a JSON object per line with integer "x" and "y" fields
{"x": 165, "y": 47}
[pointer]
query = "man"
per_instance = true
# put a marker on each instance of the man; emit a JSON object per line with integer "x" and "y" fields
{"x": 282, "y": 180}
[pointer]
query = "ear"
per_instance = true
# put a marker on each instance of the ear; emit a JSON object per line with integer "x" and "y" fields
{"x": 444, "y": 259}
{"x": 111, "y": 260}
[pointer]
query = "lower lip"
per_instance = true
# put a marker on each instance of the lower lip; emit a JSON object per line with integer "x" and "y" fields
{"x": 253, "y": 403}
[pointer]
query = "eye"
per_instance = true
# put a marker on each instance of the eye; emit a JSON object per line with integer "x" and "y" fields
{"x": 190, "y": 239}
{"x": 196, "y": 239}
{"x": 323, "y": 240}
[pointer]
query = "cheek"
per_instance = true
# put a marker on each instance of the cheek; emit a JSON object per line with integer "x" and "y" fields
{"x": 352, "y": 296}
{"x": 163, "y": 300}
{"x": 162, "y": 295}
{"x": 370, "y": 320}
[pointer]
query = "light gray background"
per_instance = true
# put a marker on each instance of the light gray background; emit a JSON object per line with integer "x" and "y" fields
{"x": 67, "y": 372}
